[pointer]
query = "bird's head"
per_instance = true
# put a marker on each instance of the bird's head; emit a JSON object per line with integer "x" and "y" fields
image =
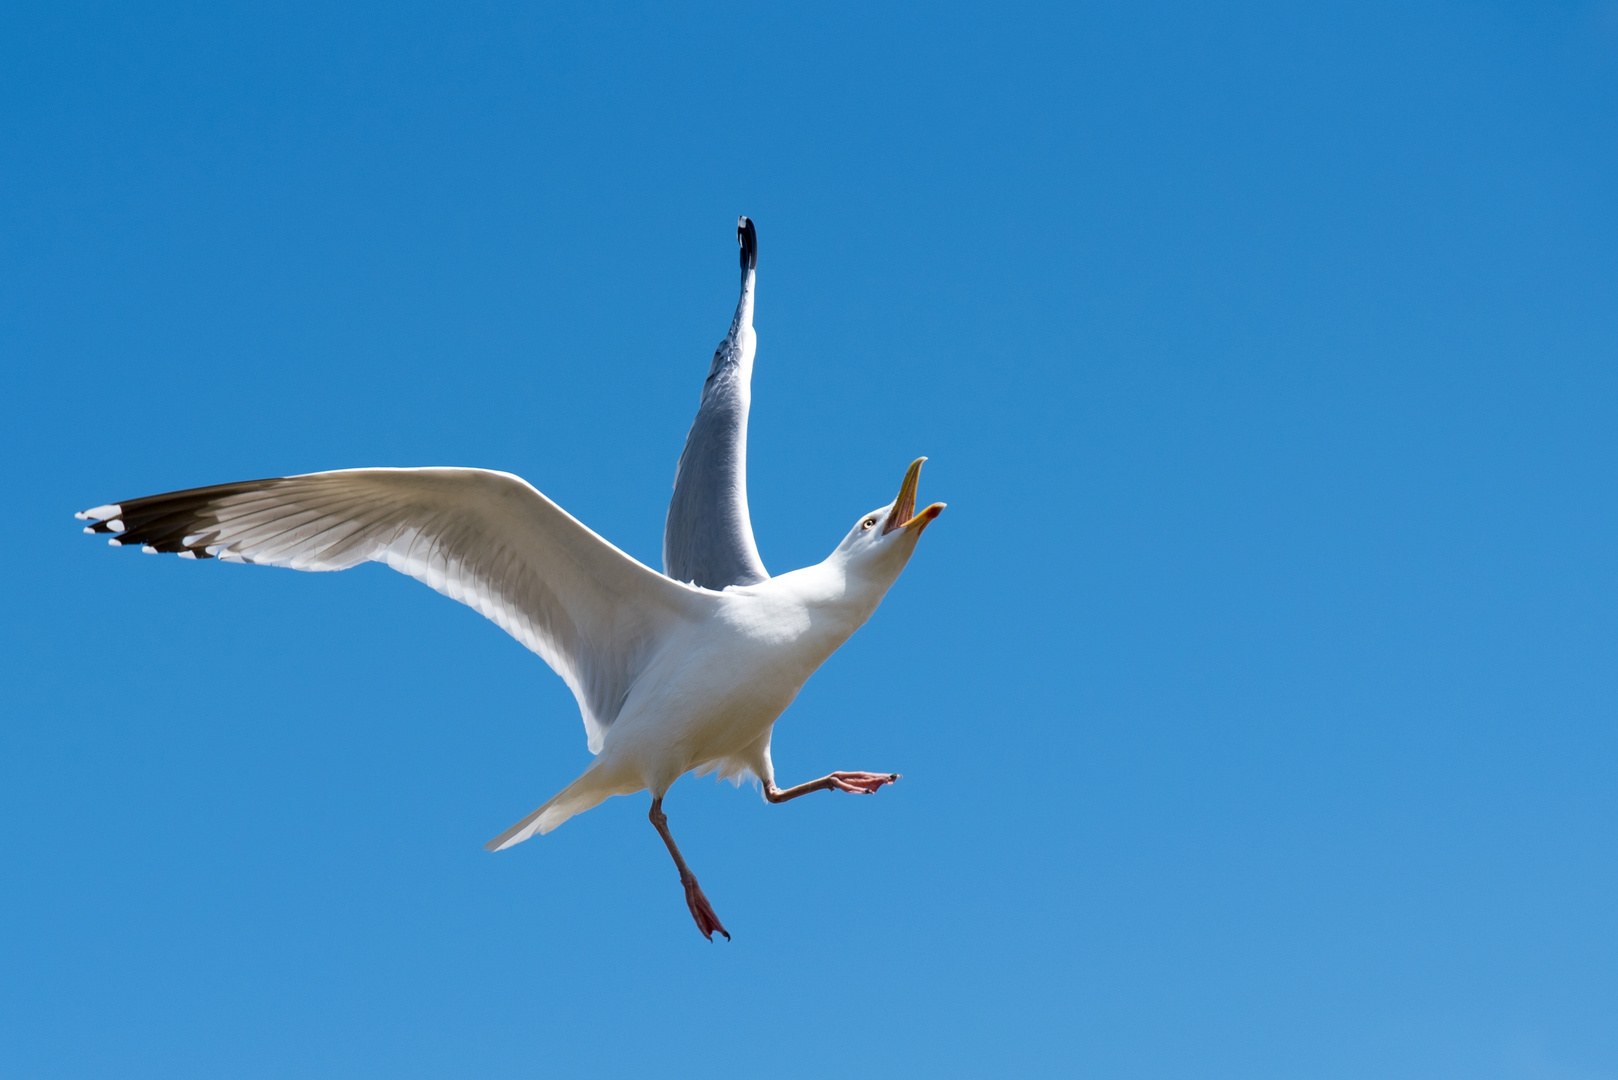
{"x": 881, "y": 542}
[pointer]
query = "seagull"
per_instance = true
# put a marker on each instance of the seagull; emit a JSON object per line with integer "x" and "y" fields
{"x": 680, "y": 672}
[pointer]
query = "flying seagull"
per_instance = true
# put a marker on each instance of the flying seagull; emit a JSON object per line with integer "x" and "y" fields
{"x": 683, "y": 671}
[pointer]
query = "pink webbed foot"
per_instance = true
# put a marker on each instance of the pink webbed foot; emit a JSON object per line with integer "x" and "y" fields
{"x": 861, "y": 783}
{"x": 856, "y": 783}
{"x": 701, "y": 910}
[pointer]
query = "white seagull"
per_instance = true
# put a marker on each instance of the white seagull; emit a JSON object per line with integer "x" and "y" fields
{"x": 683, "y": 671}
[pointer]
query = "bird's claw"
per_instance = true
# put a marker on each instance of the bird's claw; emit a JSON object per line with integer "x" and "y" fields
{"x": 862, "y": 783}
{"x": 701, "y": 910}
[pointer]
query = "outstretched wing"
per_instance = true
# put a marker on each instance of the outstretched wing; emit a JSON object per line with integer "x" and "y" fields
{"x": 487, "y": 539}
{"x": 708, "y": 536}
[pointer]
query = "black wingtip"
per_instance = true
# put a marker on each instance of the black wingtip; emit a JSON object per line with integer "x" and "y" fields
{"x": 747, "y": 237}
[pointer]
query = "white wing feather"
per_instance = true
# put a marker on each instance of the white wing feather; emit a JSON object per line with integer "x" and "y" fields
{"x": 486, "y": 539}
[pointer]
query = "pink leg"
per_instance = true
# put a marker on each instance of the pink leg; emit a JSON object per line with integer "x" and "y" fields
{"x": 701, "y": 910}
{"x": 859, "y": 783}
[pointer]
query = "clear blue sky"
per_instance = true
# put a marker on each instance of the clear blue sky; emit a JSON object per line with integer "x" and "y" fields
{"x": 1256, "y": 697}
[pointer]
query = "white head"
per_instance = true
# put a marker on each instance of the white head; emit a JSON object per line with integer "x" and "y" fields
{"x": 881, "y": 542}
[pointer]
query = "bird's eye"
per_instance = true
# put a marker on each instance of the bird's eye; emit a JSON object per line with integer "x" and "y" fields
{"x": 867, "y": 523}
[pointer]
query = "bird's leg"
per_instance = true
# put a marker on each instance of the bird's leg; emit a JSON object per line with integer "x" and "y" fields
{"x": 701, "y": 910}
{"x": 859, "y": 783}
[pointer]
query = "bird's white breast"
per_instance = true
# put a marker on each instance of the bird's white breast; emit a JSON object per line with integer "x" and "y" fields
{"x": 717, "y": 686}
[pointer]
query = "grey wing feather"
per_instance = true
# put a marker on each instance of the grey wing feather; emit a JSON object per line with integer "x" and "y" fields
{"x": 486, "y": 539}
{"x": 708, "y": 535}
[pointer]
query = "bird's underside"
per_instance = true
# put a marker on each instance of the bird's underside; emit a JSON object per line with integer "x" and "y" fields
{"x": 490, "y": 540}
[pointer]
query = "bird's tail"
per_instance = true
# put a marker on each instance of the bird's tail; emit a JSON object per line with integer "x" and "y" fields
{"x": 588, "y": 790}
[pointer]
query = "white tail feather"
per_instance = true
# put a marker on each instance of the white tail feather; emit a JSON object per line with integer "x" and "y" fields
{"x": 590, "y": 789}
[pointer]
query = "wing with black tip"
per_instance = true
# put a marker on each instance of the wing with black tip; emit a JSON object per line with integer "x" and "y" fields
{"x": 487, "y": 539}
{"x": 708, "y": 535}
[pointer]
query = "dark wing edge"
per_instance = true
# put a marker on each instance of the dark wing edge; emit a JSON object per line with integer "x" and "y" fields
{"x": 160, "y": 524}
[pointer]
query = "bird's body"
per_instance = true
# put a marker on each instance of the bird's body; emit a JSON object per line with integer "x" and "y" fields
{"x": 675, "y": 672}
{"x": 708, "y": 700}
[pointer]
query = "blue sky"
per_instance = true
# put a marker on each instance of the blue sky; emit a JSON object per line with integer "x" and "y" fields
{"x": 1255, "y": 696}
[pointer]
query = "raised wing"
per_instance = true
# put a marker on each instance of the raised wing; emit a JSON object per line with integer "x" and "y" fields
{"x": 486, "y": 539}
{"x": 708, "y": 535}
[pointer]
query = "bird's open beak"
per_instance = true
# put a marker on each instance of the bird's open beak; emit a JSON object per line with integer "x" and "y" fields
{"x": 903, "y": 515}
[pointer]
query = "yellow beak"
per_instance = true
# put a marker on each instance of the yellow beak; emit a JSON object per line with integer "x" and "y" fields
{"x": 903, "y": 515}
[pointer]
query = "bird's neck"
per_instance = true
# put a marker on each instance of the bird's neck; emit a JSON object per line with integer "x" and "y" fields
{"x": 837, "y": 591}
